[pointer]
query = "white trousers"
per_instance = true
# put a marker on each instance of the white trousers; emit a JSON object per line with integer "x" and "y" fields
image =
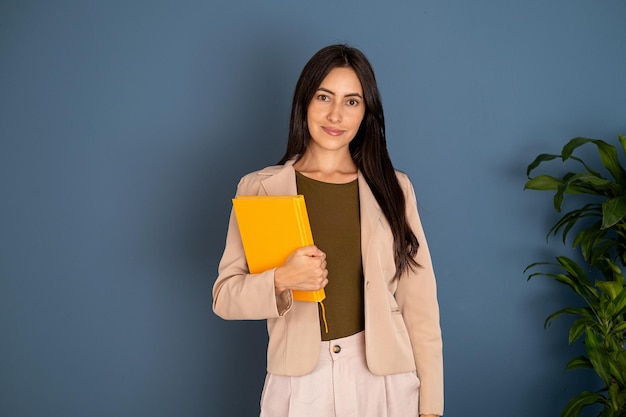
{"x": 341, "y": 386}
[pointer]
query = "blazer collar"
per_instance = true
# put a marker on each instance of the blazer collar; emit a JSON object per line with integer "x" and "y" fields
{"x": 281, "y": 182}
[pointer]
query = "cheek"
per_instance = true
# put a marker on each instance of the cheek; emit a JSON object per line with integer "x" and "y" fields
{"x": 312, "y": 113}
{"x": 311, "y": 121}
{"x": 357, "y": 118}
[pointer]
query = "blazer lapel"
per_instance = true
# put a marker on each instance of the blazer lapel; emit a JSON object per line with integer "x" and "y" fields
{"x": 282, "y": 182}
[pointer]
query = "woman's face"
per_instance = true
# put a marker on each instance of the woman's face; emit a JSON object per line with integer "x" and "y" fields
{"x": 336, "y": 110}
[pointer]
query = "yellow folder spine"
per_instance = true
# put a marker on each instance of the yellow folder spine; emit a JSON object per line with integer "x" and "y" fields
{"x": 307, "y": 239}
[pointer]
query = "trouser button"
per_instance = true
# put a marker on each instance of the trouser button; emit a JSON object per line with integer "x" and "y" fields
{"x": 336, "y": 349}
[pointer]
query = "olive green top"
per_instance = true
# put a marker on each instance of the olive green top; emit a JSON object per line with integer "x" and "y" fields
{"x": 335, "y": 222}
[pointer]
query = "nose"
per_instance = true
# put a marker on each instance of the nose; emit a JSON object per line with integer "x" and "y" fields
{"x": 334, "y": 113}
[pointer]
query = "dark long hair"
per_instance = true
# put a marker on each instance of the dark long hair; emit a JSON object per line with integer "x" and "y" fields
{"x": 368, "y": 148}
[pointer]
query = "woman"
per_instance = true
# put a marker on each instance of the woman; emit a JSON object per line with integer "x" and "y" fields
{"x": 382, "y": 354}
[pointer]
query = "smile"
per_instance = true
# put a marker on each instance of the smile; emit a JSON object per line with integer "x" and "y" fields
{"x": 333, "y": 132}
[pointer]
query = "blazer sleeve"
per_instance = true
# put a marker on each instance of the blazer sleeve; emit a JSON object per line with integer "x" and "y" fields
{"x": 237, "y": 294}
{"x": 416, "y": 296}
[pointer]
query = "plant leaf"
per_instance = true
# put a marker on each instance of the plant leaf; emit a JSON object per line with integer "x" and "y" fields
{"x": 608, "y": 155}
{"x": 538, "y": 160}
{"x": 588, "y": 183}
{"x": 578, "y": 328}
{"x": 577, "y": 278}
{"x": 609, "y": 288}
{"x": 620, "y": 328}
{"x": 578, "y": 311}
{"x": 598, "y": 356}
{"x": 589, "y": 240}
{"x": 600, "y": 250}
{"x": 572, "y": 267}
{"x": 578, "y": 183}
{"x": 617, "y": 399}
{"x": 619, "y": 368}
{"x": 613, "y": 211}
{"x": 579, "y": 362}
{"x": 535, "y": 264}
{"x": 576, "y": 404}
{"x": 570, "y": 146}
{"x": 622, "y": 141}
{"x": 569, "y": 220}
{"x": 620, "y": 302}
{"x": 542, "y": 182}
{"x": 587, "y": 167}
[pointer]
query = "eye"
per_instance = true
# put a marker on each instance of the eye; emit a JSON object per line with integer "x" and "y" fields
{"x": 353, "y": 102}
{"x": 323, "y": 97}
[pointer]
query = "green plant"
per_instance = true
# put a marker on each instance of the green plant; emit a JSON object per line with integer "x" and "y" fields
{"x": 601, "y": 240}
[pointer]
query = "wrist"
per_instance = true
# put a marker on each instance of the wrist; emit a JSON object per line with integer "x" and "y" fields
{"x": 279, "y": 286}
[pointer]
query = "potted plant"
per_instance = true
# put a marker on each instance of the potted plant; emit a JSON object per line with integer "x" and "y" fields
{"x": 599, "y": 224}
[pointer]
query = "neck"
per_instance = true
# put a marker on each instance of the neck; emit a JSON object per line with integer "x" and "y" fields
{"x": 333, "y": 167}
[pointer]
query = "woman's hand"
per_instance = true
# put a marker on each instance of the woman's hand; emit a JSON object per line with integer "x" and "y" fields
{"x": 304, "y": 270}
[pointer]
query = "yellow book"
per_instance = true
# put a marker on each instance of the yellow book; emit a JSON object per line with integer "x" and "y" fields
{"x": 271, "y": 228}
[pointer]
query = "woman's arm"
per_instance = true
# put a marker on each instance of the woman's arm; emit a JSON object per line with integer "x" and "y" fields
{"x": 237, "y": 294}
{"x": 417, "y": 299}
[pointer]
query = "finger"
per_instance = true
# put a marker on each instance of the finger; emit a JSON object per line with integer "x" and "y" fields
{"x": 318, "y": 252}
{"x": 312, "y": 251}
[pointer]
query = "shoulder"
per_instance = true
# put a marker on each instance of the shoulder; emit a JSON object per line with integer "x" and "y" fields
{"x": 404, "y": 181}
{"x": 403, "y": 178}
{"x": 251, "y": 182}
{"x": 262, "y": 173}
{"x": 256, "y": 177}
{"x": 407, "y": 189}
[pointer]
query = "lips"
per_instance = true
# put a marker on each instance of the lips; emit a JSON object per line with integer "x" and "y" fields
{"x": 332, "y": 131}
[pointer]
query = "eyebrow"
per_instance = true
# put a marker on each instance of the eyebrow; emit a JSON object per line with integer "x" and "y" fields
{"x": 347, "y": 95}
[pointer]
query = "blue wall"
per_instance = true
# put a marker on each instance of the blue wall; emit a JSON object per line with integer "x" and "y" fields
{"x": 125, "y": 125}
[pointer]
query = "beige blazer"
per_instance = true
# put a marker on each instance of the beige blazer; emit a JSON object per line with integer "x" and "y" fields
{"x": 402, "y": 331}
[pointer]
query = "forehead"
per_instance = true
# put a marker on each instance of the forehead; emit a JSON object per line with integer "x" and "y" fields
{"x": 342, "y": 80}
